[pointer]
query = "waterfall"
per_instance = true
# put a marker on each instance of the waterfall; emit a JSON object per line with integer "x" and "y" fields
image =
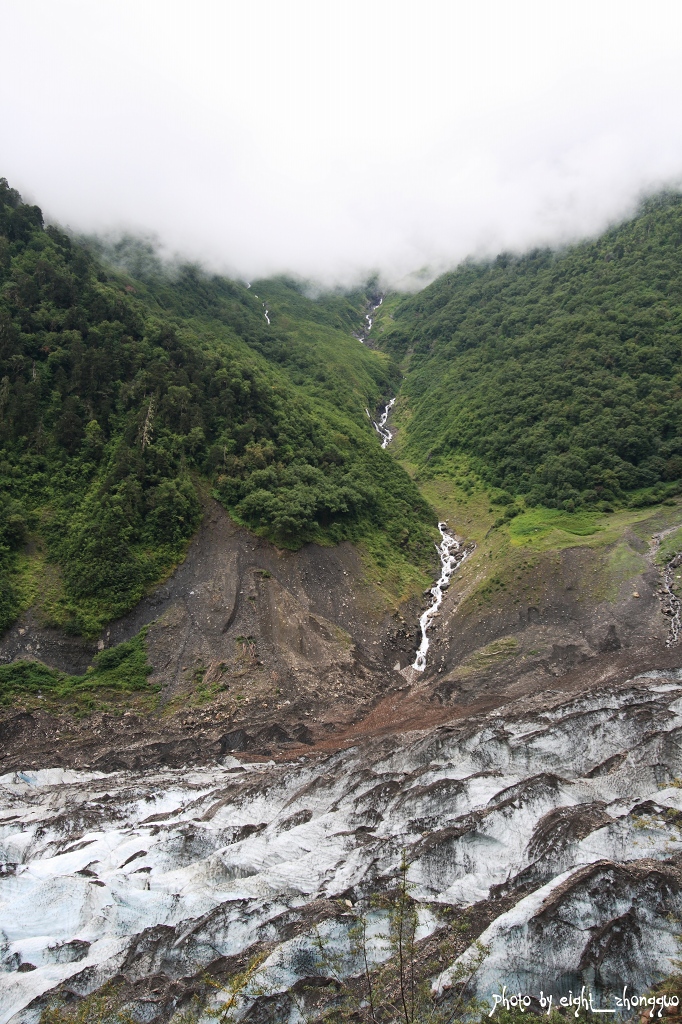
{"x": 452, "y": 554}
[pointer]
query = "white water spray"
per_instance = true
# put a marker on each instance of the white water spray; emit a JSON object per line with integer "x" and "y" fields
{"x": 671, "y": 605}
{"x": 369, "y": 318}
{"x": 380, "y": 427}
{"x": 452, "y": 554}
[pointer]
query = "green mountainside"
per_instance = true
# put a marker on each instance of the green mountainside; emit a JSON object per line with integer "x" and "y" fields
{"x": 129, "y": 392}
{"x": 554, "y": 377}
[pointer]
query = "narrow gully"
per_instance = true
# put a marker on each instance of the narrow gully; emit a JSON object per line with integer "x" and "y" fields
{"x": 382, "y": 430}
{"x": 450, "y": 550}
{"x": 372, "y": 309}
{"x": 362, "y": 338}
{"x": 671, "y": 606}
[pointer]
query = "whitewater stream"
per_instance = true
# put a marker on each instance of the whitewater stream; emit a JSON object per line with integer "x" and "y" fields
{"x": 671, "y": 602}
{"x": 380, "y": 424}
{"x": 266, "y": 311}
{"x": 452, "y": 554}
{"x": 450, "y": 551}
{"x": 373, "y": 309}
{"x": 369, "y": 320}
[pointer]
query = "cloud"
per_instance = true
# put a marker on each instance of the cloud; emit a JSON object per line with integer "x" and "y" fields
{"x": 330, "y": 138}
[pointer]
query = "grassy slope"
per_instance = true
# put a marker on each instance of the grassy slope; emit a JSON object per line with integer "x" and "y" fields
{"x": 117, "y": 679}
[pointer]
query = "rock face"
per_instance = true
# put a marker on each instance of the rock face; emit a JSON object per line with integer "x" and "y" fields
{"x": 275, "y": 640}
{"x": 294, "y": 611}
{"x": 557, "y": 820}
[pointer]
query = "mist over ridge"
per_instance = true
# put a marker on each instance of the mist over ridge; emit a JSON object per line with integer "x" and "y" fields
{"x": 145, "y": 256}
{"x": 334, "y": 143}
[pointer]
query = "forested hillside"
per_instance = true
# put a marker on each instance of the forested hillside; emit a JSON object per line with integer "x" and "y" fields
{"x": 124, "y": 398}
{"x": 556, "y": 376}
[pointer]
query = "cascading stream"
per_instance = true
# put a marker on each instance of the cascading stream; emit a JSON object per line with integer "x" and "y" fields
{"x": 266, "y": 311}
{"x": 452, "y": 554}
{"x": 368, "y": 317}
{"x": 362, "y": 338}
{"x": 380, "y": 427}
{"x": 671, "y": 603}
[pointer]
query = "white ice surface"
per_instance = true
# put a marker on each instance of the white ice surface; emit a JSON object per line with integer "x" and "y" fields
{"x": 220, "y": 858}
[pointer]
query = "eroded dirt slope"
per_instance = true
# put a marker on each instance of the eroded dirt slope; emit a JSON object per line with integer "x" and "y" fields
{"x": 260, "y": 644}
{"x": 274, "y": 653}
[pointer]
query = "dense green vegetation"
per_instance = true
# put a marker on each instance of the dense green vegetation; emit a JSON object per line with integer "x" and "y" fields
{"x": 555, "y": 375}
{"x": 125, "y": 400}
{"x": 131, "y": 390}
{"x": 116, "y": 671}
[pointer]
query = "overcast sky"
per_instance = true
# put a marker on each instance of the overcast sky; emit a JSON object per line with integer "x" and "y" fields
{"x": 330, "y": 138}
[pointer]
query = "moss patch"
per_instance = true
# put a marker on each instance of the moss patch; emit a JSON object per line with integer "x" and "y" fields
{"x": 670, "y": 546}
{"x": 116, "y": 675}
{"x": 490, "y": 656}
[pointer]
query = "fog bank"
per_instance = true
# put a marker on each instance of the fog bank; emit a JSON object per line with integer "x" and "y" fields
{"x": 332, "y": 139}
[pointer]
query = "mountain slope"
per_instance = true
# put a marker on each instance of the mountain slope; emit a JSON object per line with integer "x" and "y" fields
{"x": 556, "y": 376}
{"x": 124, "y": 401}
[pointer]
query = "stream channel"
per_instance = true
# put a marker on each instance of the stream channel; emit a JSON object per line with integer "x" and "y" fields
{"x": 671, "y": 602}
{"x": 451, "y": 552}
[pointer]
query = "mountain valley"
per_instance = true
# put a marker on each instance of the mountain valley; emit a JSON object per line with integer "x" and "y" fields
{"x": 215, "y": 744}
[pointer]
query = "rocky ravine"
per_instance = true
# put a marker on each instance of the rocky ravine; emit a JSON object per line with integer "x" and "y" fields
{"x": 557, "y": 820}
{"x": 271, "y": 653}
